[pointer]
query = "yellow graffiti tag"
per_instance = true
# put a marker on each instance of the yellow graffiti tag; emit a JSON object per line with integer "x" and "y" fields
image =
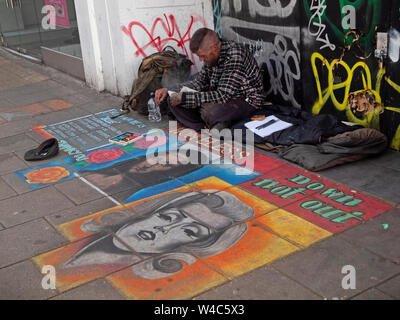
{"x": 372, "y": 119}
{"x": 329, "y": 91}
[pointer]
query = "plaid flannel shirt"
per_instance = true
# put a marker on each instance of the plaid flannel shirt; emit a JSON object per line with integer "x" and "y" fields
{"x": 236, "y": 75}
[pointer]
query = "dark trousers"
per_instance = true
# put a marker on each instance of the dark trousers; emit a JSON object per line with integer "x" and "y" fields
{"x": 211, "y": 113}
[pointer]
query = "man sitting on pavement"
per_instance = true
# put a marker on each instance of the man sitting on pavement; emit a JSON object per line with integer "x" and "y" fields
{"x": 228, "y": 88}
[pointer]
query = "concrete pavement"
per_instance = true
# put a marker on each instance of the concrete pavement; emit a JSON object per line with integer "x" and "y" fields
{"x": 39, "y": 222}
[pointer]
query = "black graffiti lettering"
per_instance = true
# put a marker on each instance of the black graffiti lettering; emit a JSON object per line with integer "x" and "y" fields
{"x": 279, "y": 54}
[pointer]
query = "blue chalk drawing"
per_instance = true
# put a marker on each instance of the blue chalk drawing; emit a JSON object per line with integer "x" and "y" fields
{"x": 225, "y": 172}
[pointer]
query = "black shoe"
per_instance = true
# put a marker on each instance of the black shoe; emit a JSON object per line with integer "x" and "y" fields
{"x": 46, "y": 150}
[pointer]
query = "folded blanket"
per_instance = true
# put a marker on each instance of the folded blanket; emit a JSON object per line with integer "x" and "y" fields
{"x": 337, "y": 150}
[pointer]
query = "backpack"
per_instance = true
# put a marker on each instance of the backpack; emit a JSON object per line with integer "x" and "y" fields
{"x": 159, "y": 70}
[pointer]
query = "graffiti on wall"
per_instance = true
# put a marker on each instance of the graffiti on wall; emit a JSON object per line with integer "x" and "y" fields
{"x": 316, "y": 27}
{"x": 269, "y": 29}
{"x": 164, "y": 31}
{"x": 341, "y": 17}
{"x": 327, "y": 62}
{"x": 217, "y": 13}
{"x": 348, "y": 80}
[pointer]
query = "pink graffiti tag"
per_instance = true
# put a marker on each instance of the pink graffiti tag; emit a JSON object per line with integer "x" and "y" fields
{"x": 172, "y": 33}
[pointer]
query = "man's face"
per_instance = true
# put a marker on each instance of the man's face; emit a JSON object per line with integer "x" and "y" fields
{"x": 209, "y": 56}
{"x": 166, "y": 229}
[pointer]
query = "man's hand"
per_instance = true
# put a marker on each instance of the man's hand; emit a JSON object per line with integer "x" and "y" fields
{"x": 175, "y": 99}
{"x": 160, "y": 95}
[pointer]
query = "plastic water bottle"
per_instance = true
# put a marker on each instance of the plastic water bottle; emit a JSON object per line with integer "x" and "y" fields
{"x": 154, "y": 111}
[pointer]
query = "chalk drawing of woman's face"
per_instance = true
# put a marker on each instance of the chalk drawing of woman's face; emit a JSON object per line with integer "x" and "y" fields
{"x": 164, "y": 230}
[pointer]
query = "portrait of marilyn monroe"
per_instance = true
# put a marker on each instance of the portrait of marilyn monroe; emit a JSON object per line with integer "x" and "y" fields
{"x": 157, "y": 229}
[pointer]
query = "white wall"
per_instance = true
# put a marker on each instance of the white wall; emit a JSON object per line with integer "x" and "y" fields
{"x": 117, "y": 35}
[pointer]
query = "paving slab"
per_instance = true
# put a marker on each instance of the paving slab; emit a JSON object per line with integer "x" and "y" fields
{"x": 16, "y": 183}
{"x": 35, "y": 136}
{"x": 44, "y": 85}
{"x": 94, "y": 107}
{"x": 16, "y": 127}
{"x": 391, "y": 287}
{"x": 57, "y": 117}
{"x": 61, "y": 91}
{"x": 75, "y": 84}
{"x": 10, "y": 162}
{"x": 4, "y": 103}
{"x": 388, "y": 159}
{"x": 27, "y": 240}
{"x": 376, "y": 182}
{"x": 6, "y": 191}
{"x": 15, "y": 143}
{"x": 13, "y": 75}
{"x": 76, "y": 111}
{"x": 372, "y": 294}
{"x": 320, "y": 268}
{"x": 379, "y": 235}
{"x": 32, "y": 205}
{"x": 21, "y": 98}
{"x": 78, "y": 191}
{"x": 80, "y": 211}
{"x": 351, "y": 173}
{"x": 82, "y": 101}
{"x": 24, "y": 111}
{"x": 264, "y": 283}
{"x": 96, "y": 290}
{"x": 23, "y": 281}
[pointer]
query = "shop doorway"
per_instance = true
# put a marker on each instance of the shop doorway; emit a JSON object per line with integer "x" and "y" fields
{"x": 26, "y": 27}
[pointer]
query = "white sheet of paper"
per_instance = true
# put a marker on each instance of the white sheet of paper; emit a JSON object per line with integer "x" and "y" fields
{"x": 278, "y": 125}
{"x": 184, "y": 89}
